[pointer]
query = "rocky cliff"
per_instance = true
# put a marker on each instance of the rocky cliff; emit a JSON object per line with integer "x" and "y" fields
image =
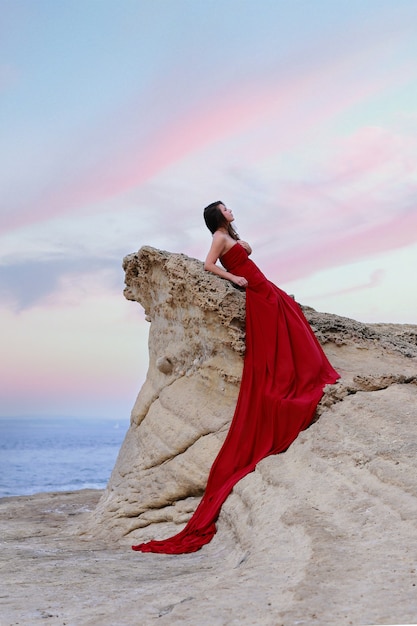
{"x": 182, "y": 413}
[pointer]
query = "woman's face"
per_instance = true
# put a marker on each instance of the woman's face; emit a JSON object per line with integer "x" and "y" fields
{"x": 227, "y": 213}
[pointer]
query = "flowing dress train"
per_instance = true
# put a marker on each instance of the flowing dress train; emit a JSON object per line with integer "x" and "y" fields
{"x": 284, "y": 372}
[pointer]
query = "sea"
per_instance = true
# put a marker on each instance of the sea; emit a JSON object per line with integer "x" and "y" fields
{"x": 57, "y": 454}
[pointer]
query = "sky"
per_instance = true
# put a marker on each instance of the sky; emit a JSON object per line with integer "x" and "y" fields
{"x": 121, "y": 119}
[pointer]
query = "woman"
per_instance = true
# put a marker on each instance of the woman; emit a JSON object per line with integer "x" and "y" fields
{"x": 219, "y": 220}
{"x": 283, "y": 377}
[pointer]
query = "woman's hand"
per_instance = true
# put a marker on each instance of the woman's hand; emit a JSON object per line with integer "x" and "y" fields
{"x": 240, "y": 281}
{"x": 245, "y": 246}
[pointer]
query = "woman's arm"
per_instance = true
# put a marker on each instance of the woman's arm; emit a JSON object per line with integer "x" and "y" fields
{"x": 218, "y": 248}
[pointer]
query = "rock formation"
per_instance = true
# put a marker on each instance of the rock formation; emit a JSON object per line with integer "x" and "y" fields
{"x": 182, "y": 413}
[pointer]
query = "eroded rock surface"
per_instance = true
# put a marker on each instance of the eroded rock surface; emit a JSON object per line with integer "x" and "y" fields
{"x": 183, "y": 411}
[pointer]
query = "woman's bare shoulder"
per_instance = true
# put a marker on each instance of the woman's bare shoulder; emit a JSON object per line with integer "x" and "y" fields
{"x": 218, "y": 246}
{"x": 220, "y": 236}
{"x": 219, "y": 242}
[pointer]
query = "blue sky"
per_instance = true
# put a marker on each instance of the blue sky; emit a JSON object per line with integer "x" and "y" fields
{"x": 120, "y": 120}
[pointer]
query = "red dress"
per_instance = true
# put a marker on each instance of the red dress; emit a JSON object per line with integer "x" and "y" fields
{"x": 284, "y": 372}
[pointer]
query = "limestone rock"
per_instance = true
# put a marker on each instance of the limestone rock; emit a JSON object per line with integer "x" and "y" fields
{"x": 183, "y": 411}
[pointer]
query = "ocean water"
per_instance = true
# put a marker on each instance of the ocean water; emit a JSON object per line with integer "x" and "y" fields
{"x": 57, "y": 454}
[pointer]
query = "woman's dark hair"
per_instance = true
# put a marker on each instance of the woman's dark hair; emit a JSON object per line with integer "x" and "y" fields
{"x": 214, "y": 219}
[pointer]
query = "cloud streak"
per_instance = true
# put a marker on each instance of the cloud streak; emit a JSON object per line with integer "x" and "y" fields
{"x": 108, "y": 162}
{"x": 25, "y": 285}
{"x": 375, "y": 279}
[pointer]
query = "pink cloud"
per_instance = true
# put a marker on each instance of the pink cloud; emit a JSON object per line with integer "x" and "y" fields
{"x": 362, "y": 202}
{"x": 375, "y": 279}
{"x": 371, "y": 149}
{"x": 346, "y": 246}
{"x": 118, "y": 168}
{"x": 118, "y": 164}
{"x": 54, "y": 378}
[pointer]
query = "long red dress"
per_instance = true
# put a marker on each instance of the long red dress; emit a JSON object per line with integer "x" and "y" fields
{"x": 283, "y": 377}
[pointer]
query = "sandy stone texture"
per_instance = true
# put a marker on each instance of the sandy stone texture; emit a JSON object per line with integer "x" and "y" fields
{"x": 324, "y": 534}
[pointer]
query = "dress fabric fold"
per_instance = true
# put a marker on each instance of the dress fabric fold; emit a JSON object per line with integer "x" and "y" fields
{"x": 284, "y": 373}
